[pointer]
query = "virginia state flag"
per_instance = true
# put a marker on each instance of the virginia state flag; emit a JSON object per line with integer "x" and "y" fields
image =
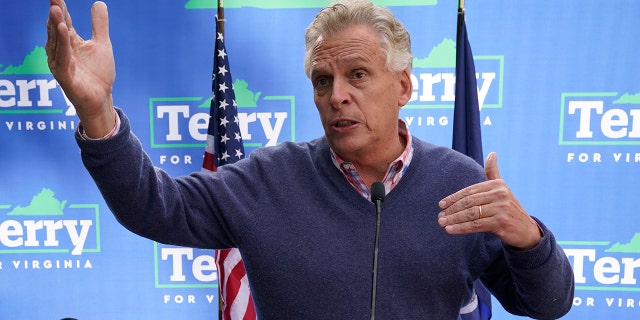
{"x": 468, "y": 140}
{"x": 466, "y": 115}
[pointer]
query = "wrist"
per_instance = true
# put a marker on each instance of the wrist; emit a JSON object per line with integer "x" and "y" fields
{"x": 98, "y": 125}
{"x": 114, "y": 130}
{"x": 536, "y": 236}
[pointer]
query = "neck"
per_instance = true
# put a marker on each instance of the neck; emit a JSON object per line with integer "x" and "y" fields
{"x": 373, "y": 166}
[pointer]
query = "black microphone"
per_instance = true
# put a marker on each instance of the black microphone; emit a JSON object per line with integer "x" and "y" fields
{"x": 377, "y": 196}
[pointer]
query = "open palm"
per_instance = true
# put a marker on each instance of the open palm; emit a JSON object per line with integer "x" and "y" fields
{"x": 85, "y": 69}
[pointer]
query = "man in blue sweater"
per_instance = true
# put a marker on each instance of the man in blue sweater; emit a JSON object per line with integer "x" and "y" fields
{"x": 300, "y": 213}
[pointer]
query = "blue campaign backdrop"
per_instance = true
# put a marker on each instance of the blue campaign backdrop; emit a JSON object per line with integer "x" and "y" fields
{"x": 559, "y": 90}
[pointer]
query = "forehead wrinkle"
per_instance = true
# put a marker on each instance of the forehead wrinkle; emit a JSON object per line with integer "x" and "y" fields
{"x": 340, "y": 52}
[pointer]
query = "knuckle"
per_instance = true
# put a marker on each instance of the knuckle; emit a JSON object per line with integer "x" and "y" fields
{"x": 467, "y": 202}
{"x": 503, "y": 192}
{"x": 502, "y": 220}
{"x": 471, "y": 214}
{"x": 475, "y": 225}
{"x": 507, "y": 206}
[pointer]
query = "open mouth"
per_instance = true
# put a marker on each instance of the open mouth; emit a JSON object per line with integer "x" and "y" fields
{"x": 343, "y": 123}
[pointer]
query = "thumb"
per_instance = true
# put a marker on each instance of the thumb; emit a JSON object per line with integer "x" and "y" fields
{"x": 100, "y": 21}
{"x": 491, "y": 166}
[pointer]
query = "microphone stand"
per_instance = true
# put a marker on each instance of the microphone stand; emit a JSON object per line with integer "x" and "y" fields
{"x": 377, "y": 196}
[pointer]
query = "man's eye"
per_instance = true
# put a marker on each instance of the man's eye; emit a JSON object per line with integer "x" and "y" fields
{"x": 359, "y": 75}
{"x": 321, "y": 82}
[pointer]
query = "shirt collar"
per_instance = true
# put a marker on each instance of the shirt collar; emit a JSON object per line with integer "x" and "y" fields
{"x": 394, "y": 172}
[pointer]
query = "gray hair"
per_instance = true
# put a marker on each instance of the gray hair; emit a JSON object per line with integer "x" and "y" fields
{"x": 395, "y": 42}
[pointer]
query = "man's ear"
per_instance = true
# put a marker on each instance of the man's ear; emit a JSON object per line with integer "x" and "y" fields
{"x": 406, "y": 87}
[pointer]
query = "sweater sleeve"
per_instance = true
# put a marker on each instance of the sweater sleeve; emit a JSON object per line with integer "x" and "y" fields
{"x": 539, "y": 282}
{"x": 146, "y": 200}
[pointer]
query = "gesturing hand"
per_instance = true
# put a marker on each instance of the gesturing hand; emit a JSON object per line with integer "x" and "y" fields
{"x": 489, "y": 206}
{"x": 84, "y": 69}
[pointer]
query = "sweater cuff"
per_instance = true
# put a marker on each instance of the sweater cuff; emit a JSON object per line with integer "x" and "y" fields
{"x": 533, "y": 258}
{"x": 98, "y": 147}
{"x": 116, "y": 127}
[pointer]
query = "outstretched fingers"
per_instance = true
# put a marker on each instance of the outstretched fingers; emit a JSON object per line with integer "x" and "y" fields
{"x": 63, "y": 7}
{"x": 58, "y": 46}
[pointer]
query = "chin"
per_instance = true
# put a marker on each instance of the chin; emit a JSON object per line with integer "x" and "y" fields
{"x": 345, "y": 148}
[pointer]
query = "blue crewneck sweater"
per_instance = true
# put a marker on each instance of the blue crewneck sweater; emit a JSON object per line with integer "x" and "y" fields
{"x": 306, "y": 235}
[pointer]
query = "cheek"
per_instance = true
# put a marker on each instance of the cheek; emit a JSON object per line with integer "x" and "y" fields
{"x": 318, "y": 102}
{"x": 322, "y": 108}
{"x": 382, "y": 113}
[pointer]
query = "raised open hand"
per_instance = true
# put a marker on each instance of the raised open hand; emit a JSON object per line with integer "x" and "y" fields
{"x": 85, "y": 69}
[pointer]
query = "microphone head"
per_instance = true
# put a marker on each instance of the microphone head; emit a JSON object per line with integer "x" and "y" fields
{"x": 377, "y": 191}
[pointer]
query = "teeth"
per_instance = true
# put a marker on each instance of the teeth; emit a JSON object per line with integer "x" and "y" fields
{"x": 343, "y": 123}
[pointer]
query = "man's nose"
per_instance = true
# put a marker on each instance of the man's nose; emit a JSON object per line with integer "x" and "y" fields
{"x": 340, "y": 94}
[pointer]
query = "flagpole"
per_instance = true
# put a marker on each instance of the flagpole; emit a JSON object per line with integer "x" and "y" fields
{"x": 221, "y": 16}
{"x": 235, "y": 300}
{"x": 220, "y": 23}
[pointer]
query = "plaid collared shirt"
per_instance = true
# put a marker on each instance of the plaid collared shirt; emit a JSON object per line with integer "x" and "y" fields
{"x": 396, "y": 169}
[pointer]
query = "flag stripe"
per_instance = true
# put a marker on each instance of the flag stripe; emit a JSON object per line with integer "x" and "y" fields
{"x": 234, "y": 307}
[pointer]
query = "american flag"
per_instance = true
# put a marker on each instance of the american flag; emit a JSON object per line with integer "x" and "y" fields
{"x": 224, "y": 145}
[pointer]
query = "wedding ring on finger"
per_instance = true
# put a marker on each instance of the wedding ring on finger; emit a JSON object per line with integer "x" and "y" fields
{"x": 480, "y": 212}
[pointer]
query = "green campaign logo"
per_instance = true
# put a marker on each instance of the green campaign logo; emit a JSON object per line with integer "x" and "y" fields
{"x": 294, "y": 4}
{"x": 599, "y": 119}
{"x": 601, "y": 266}
{"x": 434, "y": 79}
{"x": 606, "y": 275}
{"x": 29, "y": 89}
{"x": 182, "y": 122}
{"x": 36, "y": 235}
{"x": 180, "y": 267}
{"x": 185, "y": 268}
{"x": 34, "y": 63}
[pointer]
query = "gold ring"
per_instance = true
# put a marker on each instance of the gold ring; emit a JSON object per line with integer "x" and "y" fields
{"x": 480, "y": 209}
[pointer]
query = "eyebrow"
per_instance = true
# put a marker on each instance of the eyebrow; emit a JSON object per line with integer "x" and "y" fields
{"x": 345, "y": 61}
